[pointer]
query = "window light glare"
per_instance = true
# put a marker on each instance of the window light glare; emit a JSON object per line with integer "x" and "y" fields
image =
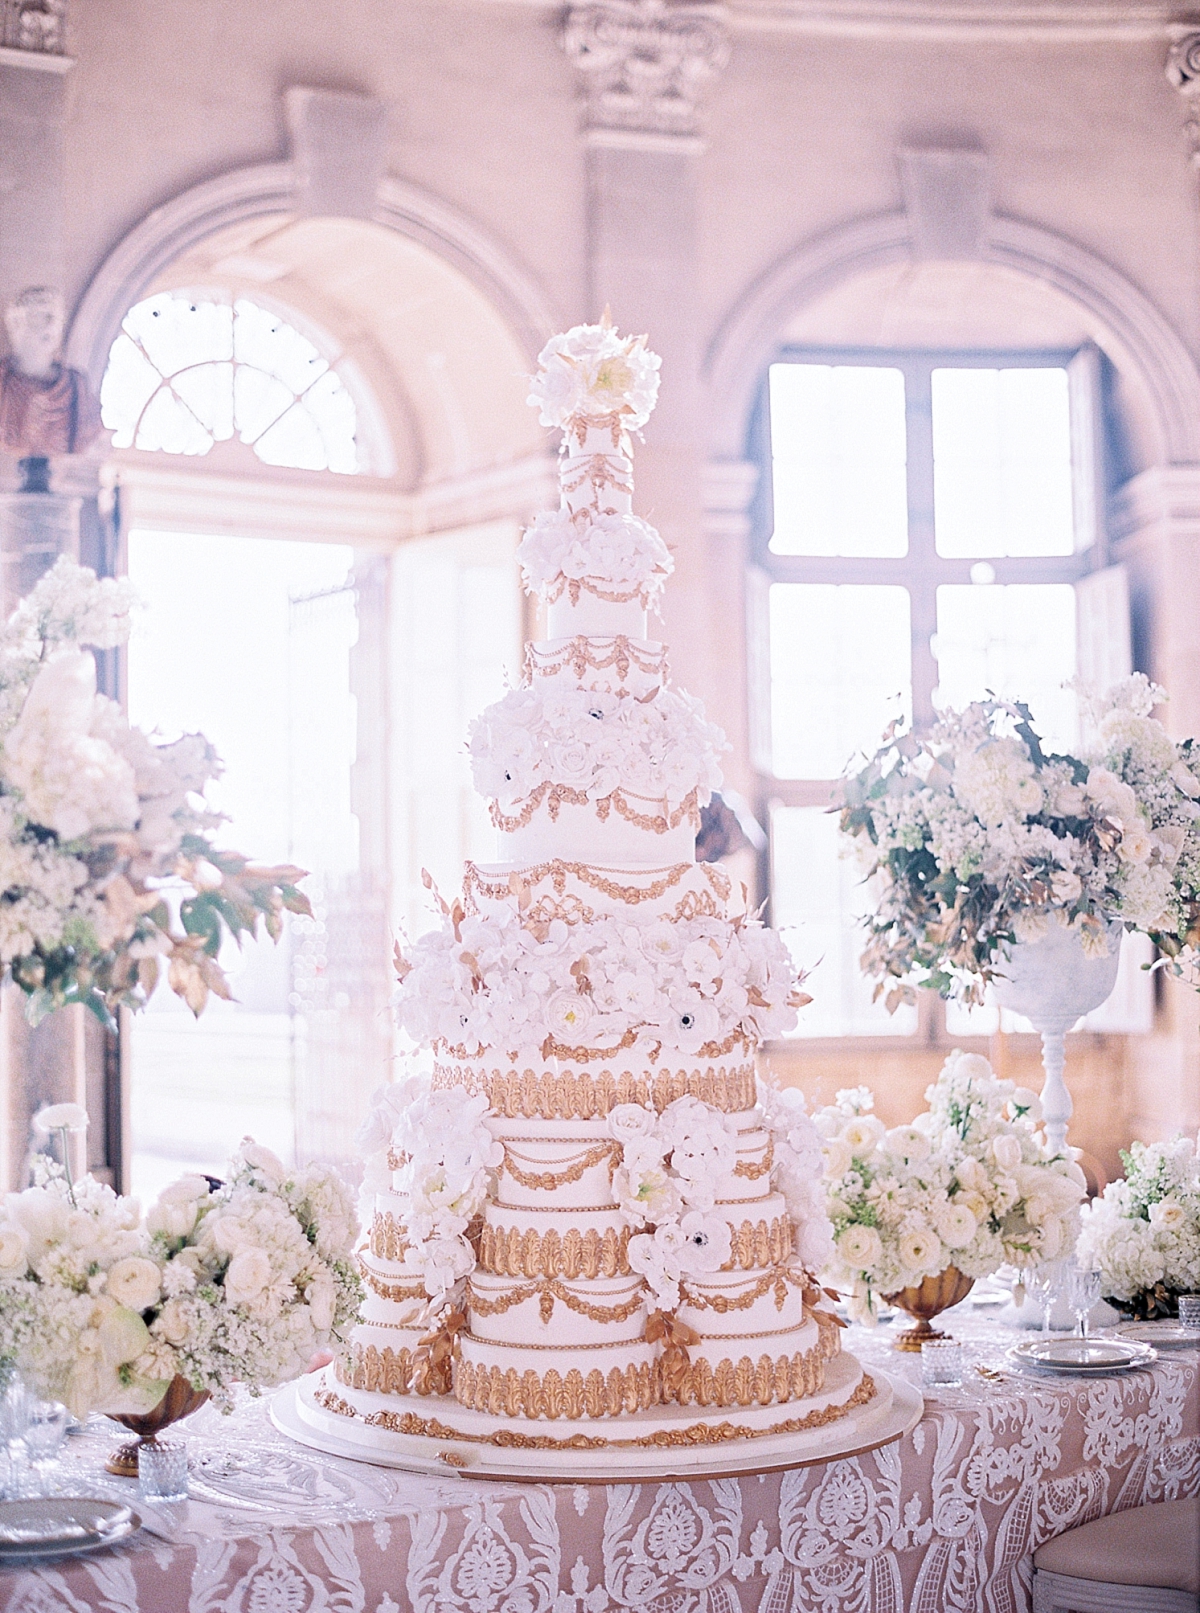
{"x": 183, "y": 375}
{"x": 1002, "y": 462}
{"x": 838, "y": 460}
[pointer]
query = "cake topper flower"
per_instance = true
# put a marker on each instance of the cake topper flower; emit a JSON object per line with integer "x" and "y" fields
{"x": 594, "y": 372}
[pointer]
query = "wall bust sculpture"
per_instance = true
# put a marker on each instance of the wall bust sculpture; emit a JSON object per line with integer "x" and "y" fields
{"x": 45, "y": 407}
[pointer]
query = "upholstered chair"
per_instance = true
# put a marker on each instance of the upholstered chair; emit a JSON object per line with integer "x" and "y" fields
{"x": 1144, "y": 1560}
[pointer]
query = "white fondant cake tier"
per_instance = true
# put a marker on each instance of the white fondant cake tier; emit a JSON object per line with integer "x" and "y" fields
{"x": 557, "y": 1310}
{"x": 642, "y": 829}
{"x": 565, "y": 1172}
{"x": 589, "y": 614}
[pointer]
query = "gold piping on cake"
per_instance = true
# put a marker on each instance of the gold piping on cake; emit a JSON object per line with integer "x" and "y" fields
{"x": 544, "y": 1095}
{"x": 554, "y": 1394}
{"x": 780, "y": 1279}
{"x": 556, "y": 870}
{"x": 546, "y": 1292}
{"x": 583, "y": 653}
{"x": 696, "y": 1434}
{"x": 557, "y": 796}
{"x": 549, "y": 1181}
{"x": 512, "y": 1252}
{"x": 751, "y": 1173}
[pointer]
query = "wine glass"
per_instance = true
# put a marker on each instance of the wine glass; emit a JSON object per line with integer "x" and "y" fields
{"x": 44, "y": 1435}
{"x": 1044, "y": 1284}
{"x": 15, "y": 1403}
{"x": 1083, "y": 1288}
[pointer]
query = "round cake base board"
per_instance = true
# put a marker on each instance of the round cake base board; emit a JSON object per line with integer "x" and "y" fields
{"x": 895, "y": 1409}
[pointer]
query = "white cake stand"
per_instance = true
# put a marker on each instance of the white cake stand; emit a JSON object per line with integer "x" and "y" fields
{"x": 464, "y": 1445}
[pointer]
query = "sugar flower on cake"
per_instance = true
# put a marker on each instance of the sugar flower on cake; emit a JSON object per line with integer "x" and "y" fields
{"x": 100, "y": 1308}
{"x": 492, "y": 980}
{"x": 592, "y": 372}
{"x": 617, "y": 556}
{"x": 1143, "y": 1232}
{"x": 796, "y": 1171}
{"x": 108, "y": 868}
{"x": 970, "y": 1184}
{"x": 975, "y": 838}
{"x": 659, "y": 750}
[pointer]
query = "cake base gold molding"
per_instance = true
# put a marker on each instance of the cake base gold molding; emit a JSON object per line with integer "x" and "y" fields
{"x": 853, "y": 1414}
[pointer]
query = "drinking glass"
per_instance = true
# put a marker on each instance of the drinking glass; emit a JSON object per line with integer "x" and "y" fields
{"x": 44, "y": 1435}
{"x": 163, "y": 1469}
{"x": 15, "y": 1403}
{"x": 1083, "y": 1289}
{"x": 1189, "y": 1312}
{"x": 942, "y": 1364}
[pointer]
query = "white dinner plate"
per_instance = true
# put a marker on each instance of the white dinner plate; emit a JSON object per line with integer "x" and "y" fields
{"x": 1163, "y": 1335}
{"x": 46, "y": 1525}
{"x": 1086, "y": 1356}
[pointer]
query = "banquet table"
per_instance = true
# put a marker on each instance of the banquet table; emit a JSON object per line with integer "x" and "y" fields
{"x": 945, "y": 1519}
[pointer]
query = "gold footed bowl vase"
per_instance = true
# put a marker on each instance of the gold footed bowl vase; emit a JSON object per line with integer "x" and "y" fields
{"x": 927, "y": 1299}
{"x": 180, "y": 1401}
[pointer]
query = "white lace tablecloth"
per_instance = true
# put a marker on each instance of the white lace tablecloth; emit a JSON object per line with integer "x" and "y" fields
{"x": 946, "y": 1518}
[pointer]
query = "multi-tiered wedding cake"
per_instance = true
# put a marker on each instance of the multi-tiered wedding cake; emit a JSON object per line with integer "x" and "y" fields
{"x": 596, "y": 1232}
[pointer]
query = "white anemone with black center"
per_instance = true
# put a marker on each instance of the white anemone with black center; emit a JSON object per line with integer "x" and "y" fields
{"x": 595, "y": 1233}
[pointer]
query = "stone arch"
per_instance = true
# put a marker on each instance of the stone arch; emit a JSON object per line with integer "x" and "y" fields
{"x": 1146, "y": 350}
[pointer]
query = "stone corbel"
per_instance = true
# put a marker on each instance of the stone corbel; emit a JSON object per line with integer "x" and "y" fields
{"x": 643, "y": 66}
{"x": 1183, "y": 72}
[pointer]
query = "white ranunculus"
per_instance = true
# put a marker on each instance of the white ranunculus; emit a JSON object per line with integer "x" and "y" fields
{"x": 921, "y": 1250}
{"x": 956, "y": 1225}
{"x": 247, "y": 1275}
{"x": 174, "y": 1322}
{"x": 863, "y": 1132}
{"x": 909, "y": 1142}
{"x": 134, "y": 1282}
{"x": 839, "y": 1156}
{"x": 14, "y": 1249}
{"x": 1006, "y": 1150}
{"x": 860, "y": 1247}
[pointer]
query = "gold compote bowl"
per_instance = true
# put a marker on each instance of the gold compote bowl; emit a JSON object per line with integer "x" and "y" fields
{"x": 926, "y": 1300}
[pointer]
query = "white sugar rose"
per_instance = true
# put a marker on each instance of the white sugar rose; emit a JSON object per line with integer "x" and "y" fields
{"x": 134, "y": 1282}
{"x": 248, "y": 1274}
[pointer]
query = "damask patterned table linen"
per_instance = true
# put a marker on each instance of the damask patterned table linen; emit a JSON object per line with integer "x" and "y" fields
{"x": 947, "y": 1519}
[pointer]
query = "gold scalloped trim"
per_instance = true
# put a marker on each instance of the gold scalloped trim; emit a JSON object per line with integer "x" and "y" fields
{"x": 581, "y": 656}
{"x": 758, "y": 1244}
{"x": 766, "y": 1381}
{"x": 559, "y": 795}
{"x": 780, "y": 1279}
{"x": 511, "y": 1252}
{"x": 751, "y": 1173}
{"x": 393, "y": 1292}
{"x": 668, "y": 1438}
{"x": 387, "y": 1240}
{"x": 506, "y": 1392}
{"x": 386, "y": 1371}
{"x": 547, "y": 1290}
{"x": 531, "y": 1095}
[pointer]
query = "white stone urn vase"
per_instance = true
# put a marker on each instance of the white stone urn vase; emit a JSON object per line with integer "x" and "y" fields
{"x": 1053, "y": 983}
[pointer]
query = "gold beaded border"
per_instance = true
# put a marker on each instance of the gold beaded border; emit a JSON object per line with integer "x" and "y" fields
{"x": 566, "y": 1095}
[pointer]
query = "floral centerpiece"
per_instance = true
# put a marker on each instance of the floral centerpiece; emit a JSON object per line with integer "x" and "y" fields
{"x": 976, "y": 838}
{"x": 107, "y": 862}
{"x": 102, "y": 1309}
{"x": 1143, "y": 1232}
{"x": 968, "y": 1184}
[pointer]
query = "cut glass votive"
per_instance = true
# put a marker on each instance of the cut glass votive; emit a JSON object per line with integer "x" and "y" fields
{"x": 1189, "y": 1312}
{"x": 942, "y": 1364}
{"x": 163, "y": 1470}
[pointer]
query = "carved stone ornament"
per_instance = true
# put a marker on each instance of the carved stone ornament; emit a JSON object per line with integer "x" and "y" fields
{"x": 1183, "y": 71}
{"x": 644, "y": 63}
{"x": 38, "y": 26}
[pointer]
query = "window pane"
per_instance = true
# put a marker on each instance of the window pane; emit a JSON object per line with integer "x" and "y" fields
{"x": 1002, "y": 462}
{"x": 1018, "y": 641}
{"x": 816, "y": 898}
{"x": 841, "y": 669}
{"x": 838, "y": 465}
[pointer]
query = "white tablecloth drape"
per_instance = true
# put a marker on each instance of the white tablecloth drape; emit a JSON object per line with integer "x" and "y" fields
{"x": 946, "y": 1519}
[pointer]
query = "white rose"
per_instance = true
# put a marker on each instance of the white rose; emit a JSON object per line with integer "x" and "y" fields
{"x": 174, "y": 1322}
{"x": 263, "y": 1160}
{"x": 320, "y": 1297}
{"x": 1006, "y": 1150}
{"x": 248, "y": 1274}
{"x": 860, "y": 1247}
{"x": 1167, "y": 1213}
{"x": 134, "y": 1282}
{"x": 14, "y": 1246}
{"x": 629, "y": 1120}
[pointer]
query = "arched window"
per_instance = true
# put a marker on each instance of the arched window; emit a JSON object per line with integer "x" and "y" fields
{"x": 188, "y": 371}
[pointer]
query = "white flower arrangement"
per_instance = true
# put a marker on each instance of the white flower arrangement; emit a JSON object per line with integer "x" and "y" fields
{"x": 96, "y": 819}
{"x": 617, "y": 556}
{"x": 797, "y": 1171}
{"x": 968, "y": 1184}
{"x": 659, "y": 748}
{"x": 975, "y": 838}
{"x": 101, "y": 1309}
{"x": 1143, "y": 1232}
{"x": 494, "y": 980}
{"x": 592, "y": 372}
